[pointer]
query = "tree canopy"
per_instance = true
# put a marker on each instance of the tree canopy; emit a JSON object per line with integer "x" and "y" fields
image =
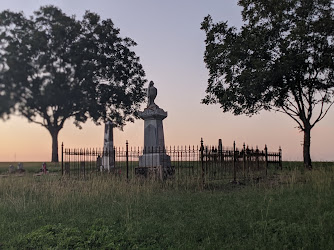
{"x": 280, "y": 59}
{"x": 54, "y": 67}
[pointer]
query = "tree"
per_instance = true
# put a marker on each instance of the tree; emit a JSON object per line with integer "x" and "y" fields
{"x": 280, "y": 59}
{"x": 55, "y": 67}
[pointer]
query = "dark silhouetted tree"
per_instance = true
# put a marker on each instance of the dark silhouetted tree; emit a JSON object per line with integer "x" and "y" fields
{"x": 54, "y": 67}
{"x": 280, "y": 59}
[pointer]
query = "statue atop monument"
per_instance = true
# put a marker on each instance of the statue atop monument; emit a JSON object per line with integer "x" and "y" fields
{"x": 151, "y": 94}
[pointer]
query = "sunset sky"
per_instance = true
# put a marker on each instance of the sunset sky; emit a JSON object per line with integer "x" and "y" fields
{"x": 170, "y": 47}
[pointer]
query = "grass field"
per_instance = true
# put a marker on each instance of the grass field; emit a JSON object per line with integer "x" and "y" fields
{"x": 291, "y": 209}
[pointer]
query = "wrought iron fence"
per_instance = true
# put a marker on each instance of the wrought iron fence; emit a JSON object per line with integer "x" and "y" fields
{"x": 206, "y": 163}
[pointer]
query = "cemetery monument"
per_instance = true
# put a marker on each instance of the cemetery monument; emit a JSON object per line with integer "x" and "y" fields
{"x": 154, "y": 158}
{"x": 108, "y": 161}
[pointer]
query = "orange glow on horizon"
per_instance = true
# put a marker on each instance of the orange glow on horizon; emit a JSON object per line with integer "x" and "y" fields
{"x": 23, "y": 142}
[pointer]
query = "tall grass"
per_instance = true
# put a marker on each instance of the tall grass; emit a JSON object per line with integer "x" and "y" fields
{"x": 289, "y": 209}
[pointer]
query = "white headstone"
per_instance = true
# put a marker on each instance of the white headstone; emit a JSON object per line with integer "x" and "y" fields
{"x": 20, "y": 166}
{"x": 108, "y": 160}
{"x": 11, "y": 169}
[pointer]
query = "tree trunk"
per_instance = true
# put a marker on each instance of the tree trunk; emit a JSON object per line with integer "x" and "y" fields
{"x": 306, "y": 147}
{"x": 54, "y": 134}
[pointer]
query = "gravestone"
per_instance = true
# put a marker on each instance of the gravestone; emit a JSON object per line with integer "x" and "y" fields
{"x": 11, "y": 169}
{"x": 108, "y": 161}
{"x": 154, "y": 158}
{"x": 20, "y": 168}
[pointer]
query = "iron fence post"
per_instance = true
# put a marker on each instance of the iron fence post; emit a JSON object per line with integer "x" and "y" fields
{"x": 202, "y": 163}
{"x": 257, "y": 158}
{"x": 127, "y": 160}
{"x": 266, "y": 157}
{"x": 84, "y": 163}
{"x": 62, "y": 158}
{"x": 69, "y": 162}
{"x": 244, "y": 160}
{"x": 280, "y": 157}
{"x": 234, "y": 167}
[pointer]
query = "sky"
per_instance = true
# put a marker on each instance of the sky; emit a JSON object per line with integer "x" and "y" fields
{"x": 171, "y": 48}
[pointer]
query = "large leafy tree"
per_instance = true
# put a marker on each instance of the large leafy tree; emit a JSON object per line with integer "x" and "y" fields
{"x": 54, "y": 67}
{"x": 280, "y": 59}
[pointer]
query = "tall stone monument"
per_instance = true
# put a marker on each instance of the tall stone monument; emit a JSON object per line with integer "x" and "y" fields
{"x": 108, "y": 161}
{"x": 154, "y": 157}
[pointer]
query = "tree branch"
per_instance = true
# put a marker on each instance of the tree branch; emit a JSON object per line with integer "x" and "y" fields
{"x": 292, "y": 104}
{"x": 300, "y": 109}
{"x": 36, "y": 122}
{"x": 322, "y": 114}
{"x": 295, "y": 112}
{"x": 300, "y": 94}
{"x": 285, "y": 111}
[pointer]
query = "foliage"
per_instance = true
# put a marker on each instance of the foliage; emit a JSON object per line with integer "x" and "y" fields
{"x": 281, "y": 59}
{"x": 67, "y": 237}
{"x": 6, "y": 104}
{"x": 56, "y": 67}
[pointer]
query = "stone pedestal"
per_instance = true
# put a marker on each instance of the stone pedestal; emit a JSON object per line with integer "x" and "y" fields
{"x": 108, "y": 160}
{"x": 154, "y": 160}
{"x": 154, "y": 155}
